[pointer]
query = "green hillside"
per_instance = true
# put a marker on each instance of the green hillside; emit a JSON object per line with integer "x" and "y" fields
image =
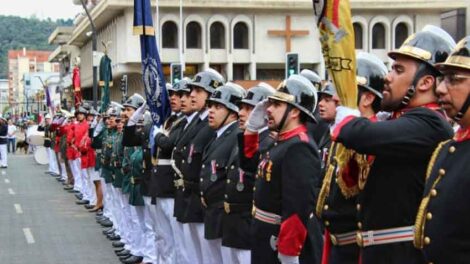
{"x": 31, "y": 33}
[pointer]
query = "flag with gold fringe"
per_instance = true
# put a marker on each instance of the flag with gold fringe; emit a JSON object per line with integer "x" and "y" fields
{"x": 152, "y": 73}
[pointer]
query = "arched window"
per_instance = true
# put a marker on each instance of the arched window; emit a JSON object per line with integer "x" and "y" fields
{"x": 217, "y": 36}
{"x": 401, "y": 33}
{"x": 240, "y": 36}
{"x": 378, "y": 36}
{"x": 170, "y": 35}
{"x": 358, "y": 34}
{"x": 193, "y": 36}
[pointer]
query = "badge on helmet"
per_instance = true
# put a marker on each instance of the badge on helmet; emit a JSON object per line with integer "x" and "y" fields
{"x": 228, "y": 95}
{"x": 208, "y": 80}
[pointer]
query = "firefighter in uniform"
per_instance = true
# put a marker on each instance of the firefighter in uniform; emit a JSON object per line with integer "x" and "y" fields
{"x": 336, "y": 205}
{"x": 223, "y": 119}
{"x": 442, "y": 221}
{"x": 163, "y": 176}
{"x": 238, "y": 198}
{"x": 188, "y": 162}
{"x": 287, "y": 172}
{"x": 402, "y": 146}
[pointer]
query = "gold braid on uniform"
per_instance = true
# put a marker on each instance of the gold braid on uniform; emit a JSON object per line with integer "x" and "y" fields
{"x": 325, "y": 188}
{"x": 343, "y": 157}
{"x": 421, "y": 215}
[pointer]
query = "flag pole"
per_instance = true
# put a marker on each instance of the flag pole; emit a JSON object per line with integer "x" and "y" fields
{"x": 180, "y": 39}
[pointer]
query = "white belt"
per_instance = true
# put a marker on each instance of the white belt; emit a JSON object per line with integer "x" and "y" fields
{"x": 385, "y": 236}
{"x": 164, "y": 162}
{"x": 343, "y": 239}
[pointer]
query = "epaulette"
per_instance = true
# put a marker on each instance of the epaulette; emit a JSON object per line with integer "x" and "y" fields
{"x": 304, "y": 137}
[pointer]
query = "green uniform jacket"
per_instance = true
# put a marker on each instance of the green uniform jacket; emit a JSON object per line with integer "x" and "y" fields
{"x": 135, "y": 194}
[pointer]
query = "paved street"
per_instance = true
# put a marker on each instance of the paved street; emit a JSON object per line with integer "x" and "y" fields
{"x": 40, "y": 222}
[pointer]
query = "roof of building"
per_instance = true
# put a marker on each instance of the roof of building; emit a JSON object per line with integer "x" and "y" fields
{"x": 39, "y": 55}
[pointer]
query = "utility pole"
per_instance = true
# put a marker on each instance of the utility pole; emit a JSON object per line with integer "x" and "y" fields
{"x": 93, "y": 49}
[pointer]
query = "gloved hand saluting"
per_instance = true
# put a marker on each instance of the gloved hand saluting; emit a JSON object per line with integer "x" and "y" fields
{"x": 137, "y": 115}
{"x": 257, "y": 119}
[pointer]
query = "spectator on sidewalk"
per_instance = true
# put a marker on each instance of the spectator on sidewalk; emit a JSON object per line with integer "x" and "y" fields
{"x": 11, "y": 137}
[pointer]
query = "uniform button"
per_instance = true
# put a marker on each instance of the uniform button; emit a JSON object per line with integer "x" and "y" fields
{"x": 202, "y": 193}
{"x": 226, "y": 196}
{"x": 433, "y": 193}
{"x": 325, "y": 207}
{"x": 201, "y": 179}
{"x": 428, "y": 216}
{"x": 184, "y": 148}
{"x": 358, "y": 207}
{"x": 175, "y": 175}
{"x": 182, "y": 161}
{"x": 275, "y": 144}
{"x": 228, "y": 181}
{"x": 451, "y": 149}
{"x": 232, "y": 167}
{"x": 254, "y": 188}
{"x": 442, "y": 172}
{"x": 327, "y": 223}
{"x": 203, "y": 166}
{"x": 359, "y": 225}
{"x": 427, "y": 241}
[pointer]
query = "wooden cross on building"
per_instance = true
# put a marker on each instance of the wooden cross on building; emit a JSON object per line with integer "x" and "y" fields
{"x": 288, "y": 33}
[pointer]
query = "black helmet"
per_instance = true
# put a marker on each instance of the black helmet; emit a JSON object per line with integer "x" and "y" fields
{"x": 228, "y": 95}
{"x": 328, "y": 89}
{"x": 135, "y": 101}
{"x": 460, "y": 57}
{"x": 370, "y": 73}
{"x": 299, "y": 92}
{"x": 181, "y": 86}
{"x": 432, "y": 45}
{"x": 208, "y": 80}
{"x": 312, "y": 77}
{"x": 258, "y": 93}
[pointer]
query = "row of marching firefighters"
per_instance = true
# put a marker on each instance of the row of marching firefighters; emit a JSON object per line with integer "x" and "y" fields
{"x": 285, "y": 175}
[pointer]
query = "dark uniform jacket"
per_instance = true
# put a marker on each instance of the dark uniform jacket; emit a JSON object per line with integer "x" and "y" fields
{"x": 286, "y": 175}
{"x": 3, "y": 134}
{"x": 107, "y": 152}
{"x": 163, "y": 175}
{"x": 213, "y": 179}
{"x": 390, "y": 199}
{"x": 445, "y": 209}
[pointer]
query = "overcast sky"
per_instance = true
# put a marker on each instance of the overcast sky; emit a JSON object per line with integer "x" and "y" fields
{"x": 41, "y": 8}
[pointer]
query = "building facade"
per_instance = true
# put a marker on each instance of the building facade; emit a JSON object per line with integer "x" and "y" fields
{"x": 21, "y": 62}
{"x": 247, "y": 39}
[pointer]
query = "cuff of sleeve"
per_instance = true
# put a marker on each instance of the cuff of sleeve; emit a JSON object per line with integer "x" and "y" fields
{"x": 337, "y": 129}
{"x": 250, "y": 144}
{"x": 288, "y": 259}
{"x": 291, "y": 236}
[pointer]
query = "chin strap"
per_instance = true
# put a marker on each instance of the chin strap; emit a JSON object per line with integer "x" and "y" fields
{"x": 463, "y": 110}
{"x": 412, "y": 89}
{"x": 284, "y": 118}
{"x": 223, "y": 122}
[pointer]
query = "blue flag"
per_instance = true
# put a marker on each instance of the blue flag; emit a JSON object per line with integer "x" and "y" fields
{"x": 152, "y": 73}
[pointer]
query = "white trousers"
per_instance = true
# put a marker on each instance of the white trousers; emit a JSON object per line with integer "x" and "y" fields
{"x": 181, "y": 256}
{"x": 212, "y": 250}
{"x": 91, "y": 186}
{"x": 169, "y": 234}
{"x": 63, "y": 171}
{"x": 235, "y": 255}
{"x": 193, "y": 234}
{"x": 76, "y": 172}
{"x": 126, "y": 224}
{"x": 107, "y": 206}
{"x": 138, "y": 229}
{"x": 53, "y": 166}
{"x": 3, "y": 155}
{"x": 86, "y": 188}
{"x": 150, "y": 238}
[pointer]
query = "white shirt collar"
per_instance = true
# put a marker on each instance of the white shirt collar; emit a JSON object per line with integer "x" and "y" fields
{"x": 204, "y": 114}
{"x": 222, "y": 129}
{"x": 190, "y": 118}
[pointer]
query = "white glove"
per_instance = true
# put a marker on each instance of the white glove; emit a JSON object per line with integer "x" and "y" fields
{"x": 137, "y": 115}
{"x": 99, "y": 127}
{"x": 257, "y": 119}
{"x": 156, "y": 130}
{"x": 382, "y": 115}
{"x": 288, "y": 259}
{"x": 341, "y": 113}
{"x": 94, "y": 122}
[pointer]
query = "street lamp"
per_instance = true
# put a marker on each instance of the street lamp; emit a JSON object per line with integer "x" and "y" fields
{"x": 93, "y": 48}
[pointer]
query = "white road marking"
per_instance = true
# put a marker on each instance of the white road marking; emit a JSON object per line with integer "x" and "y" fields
{"x": 28, "y": 235}
{"x": 18, "y": 209}
{"x": 10, "y": 191}
{"x": 7, "y": 181}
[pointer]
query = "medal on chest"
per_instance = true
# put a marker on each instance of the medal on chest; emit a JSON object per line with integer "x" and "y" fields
{"x": 213, "y": 171}
{"x": 241, "y": 177}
